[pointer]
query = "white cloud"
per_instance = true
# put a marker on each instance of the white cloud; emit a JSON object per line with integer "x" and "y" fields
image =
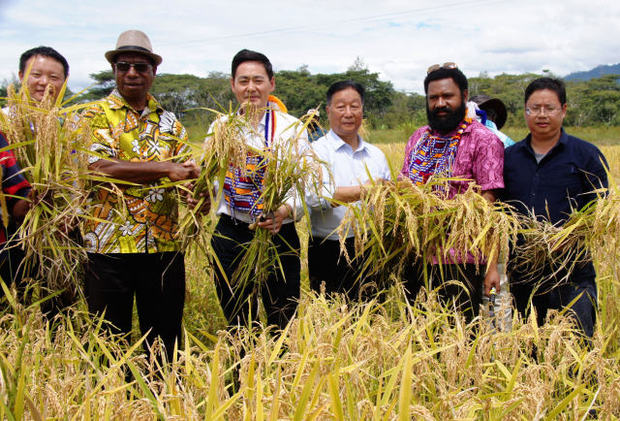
{"x": 397, "y": 38}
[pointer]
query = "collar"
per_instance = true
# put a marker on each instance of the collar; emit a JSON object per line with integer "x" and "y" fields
{"x": 117, "y": 102}
{"x": 336, "y": 142}
{"x": 527, "y": 142}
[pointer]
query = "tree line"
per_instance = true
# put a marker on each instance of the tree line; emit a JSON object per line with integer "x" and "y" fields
{"x": 594, "y": 102}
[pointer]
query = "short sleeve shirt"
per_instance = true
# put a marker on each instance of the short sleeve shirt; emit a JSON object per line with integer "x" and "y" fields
{"x": 143, "y": 218}
{"x": 479, "y": 158}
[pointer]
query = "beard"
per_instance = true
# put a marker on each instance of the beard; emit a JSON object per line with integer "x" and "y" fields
{"x": 446, "y": 123}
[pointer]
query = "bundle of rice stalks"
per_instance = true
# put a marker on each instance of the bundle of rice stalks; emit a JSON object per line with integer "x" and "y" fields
{"x": 588, "y": 232}
{"x": 399, "y": 219}
{"x": 223, "y": 148}
{"x": 47, "y": 141}
{"x": 289, "y": 171}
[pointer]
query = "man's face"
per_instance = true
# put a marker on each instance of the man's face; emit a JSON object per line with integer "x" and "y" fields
{"x": 251, "y": 84}
{"x": 44, "y": 71}
{"x": 544, "y": 114}
{"x": 132, "y": 84}
{"x": 345, "y": 112}
{"x": 445, "y": 105}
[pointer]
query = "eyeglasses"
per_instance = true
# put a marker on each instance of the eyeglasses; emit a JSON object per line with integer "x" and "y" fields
{"x": 123, "y": 66}
{"x": 446, "y": 65}
{"x": 539, "y": 110}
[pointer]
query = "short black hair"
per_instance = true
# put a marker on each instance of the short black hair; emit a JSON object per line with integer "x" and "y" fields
{"x": 444, "y": 73}
{"x": 249, "y": 55}
{"x": 555, "y": 85}
{"x": 46, "y": 52}
{"x": 341, "y": 86}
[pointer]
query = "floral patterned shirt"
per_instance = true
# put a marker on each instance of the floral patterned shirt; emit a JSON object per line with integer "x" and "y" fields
{"x": 124, "y": 218}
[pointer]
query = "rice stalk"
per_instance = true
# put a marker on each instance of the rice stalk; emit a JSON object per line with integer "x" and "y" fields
{"x": 587, "y": 233}
{"x": 397, "y": 219}
{"x": 48, "y": 142}
{"x": 289, "y": 170}
{"x": 224, "y": 148}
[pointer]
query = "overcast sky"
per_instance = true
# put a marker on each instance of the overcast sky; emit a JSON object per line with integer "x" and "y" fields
{"x": 397, "y": 38}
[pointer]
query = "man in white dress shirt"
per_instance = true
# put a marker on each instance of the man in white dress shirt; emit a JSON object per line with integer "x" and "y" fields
{"x": 252, "y": 82}
{"x": 349, "y": 161}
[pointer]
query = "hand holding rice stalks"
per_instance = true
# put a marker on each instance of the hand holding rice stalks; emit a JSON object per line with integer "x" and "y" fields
{"x": 399, "y": 219}
{"x": 589, "y": 232}
{"x": 290, "y": 169}
{"x": 47, "y": 139}
{"x": 223, "y": 148}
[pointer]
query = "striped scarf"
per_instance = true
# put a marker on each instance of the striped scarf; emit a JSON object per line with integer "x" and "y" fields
{"x": 243, "y": 187}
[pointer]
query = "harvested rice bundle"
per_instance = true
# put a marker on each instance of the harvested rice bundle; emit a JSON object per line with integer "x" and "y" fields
{"x": 47, "y": 140}
{"x": 223, "y": 149}
{"x": 289, "y": 169}
{"x": 590, "y": 231}
{"x": 400, "y": 219}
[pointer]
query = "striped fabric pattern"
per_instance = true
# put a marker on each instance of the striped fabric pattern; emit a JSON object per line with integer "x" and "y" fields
{"x": 13, "y": 181}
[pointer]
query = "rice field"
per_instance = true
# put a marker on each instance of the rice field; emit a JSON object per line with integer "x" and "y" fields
{"x": 335, "y": 360}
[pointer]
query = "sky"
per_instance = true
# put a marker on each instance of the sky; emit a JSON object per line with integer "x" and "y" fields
{"x": 399, "y": 39}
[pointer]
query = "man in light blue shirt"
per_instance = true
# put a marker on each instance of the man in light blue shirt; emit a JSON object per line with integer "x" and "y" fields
{"x": 349, "y": 164}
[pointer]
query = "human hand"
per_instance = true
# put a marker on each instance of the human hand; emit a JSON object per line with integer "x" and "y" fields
{"x": 491, "y": 280}
{"x": 22, "y": 206}
{"x": 273, "y": 222}
{"x": 200, "y": 201}
{"x": 184, "y": 171}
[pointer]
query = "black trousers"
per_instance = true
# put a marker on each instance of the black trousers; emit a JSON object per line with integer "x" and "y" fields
{"x": 548, "y": 292}
{"x": 15, "y": 269}
{"x": 466, "y": 294}
{"x": 280, "y": 293}
{"x": 157, "y": 280}
{"x": 326, "y": 264}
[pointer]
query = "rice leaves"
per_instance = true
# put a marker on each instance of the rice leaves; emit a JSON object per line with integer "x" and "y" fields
{"x": 587, "y": 233}
{"x": 399, "y": 219}
{"x": 48, "y": 142}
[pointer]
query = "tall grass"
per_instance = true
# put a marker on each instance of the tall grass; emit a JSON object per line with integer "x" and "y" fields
{"x": 401, "y": 219}
{"x": 335, "y": 360}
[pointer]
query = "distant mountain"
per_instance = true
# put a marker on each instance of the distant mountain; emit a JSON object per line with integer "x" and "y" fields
{"x": 598, "y": 71}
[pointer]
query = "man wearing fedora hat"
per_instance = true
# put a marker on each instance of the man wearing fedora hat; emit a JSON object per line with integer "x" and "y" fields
{"x": 130, "y": 233}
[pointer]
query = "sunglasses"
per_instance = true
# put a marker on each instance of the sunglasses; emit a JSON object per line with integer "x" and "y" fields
{"x": 446, "y": 65}
{"x": 123, "y": 66}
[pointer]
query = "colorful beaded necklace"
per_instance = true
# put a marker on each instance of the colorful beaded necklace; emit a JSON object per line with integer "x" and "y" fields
{"x": 243, "y": 188}
{"x": 434, "y": 154}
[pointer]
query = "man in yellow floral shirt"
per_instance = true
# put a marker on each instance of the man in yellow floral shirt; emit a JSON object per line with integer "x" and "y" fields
{"x": 130, "y": 233}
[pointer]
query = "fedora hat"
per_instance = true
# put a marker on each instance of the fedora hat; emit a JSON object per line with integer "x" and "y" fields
{"x": 487, "y": 103}
{"x": 133, "y": 41}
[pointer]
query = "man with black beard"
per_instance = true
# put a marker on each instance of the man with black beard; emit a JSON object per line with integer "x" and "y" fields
{"x": 457, "y": 147}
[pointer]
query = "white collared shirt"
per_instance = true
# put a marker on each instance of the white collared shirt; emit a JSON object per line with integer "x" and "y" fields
{"x": 347, "y": 168}
{"x": 288, "y": 129}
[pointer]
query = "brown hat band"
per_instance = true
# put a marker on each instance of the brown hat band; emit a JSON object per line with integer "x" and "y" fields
{"x": 134, "y": 47}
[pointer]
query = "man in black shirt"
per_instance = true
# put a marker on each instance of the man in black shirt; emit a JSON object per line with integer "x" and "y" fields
{"x": 550, "y": 173}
